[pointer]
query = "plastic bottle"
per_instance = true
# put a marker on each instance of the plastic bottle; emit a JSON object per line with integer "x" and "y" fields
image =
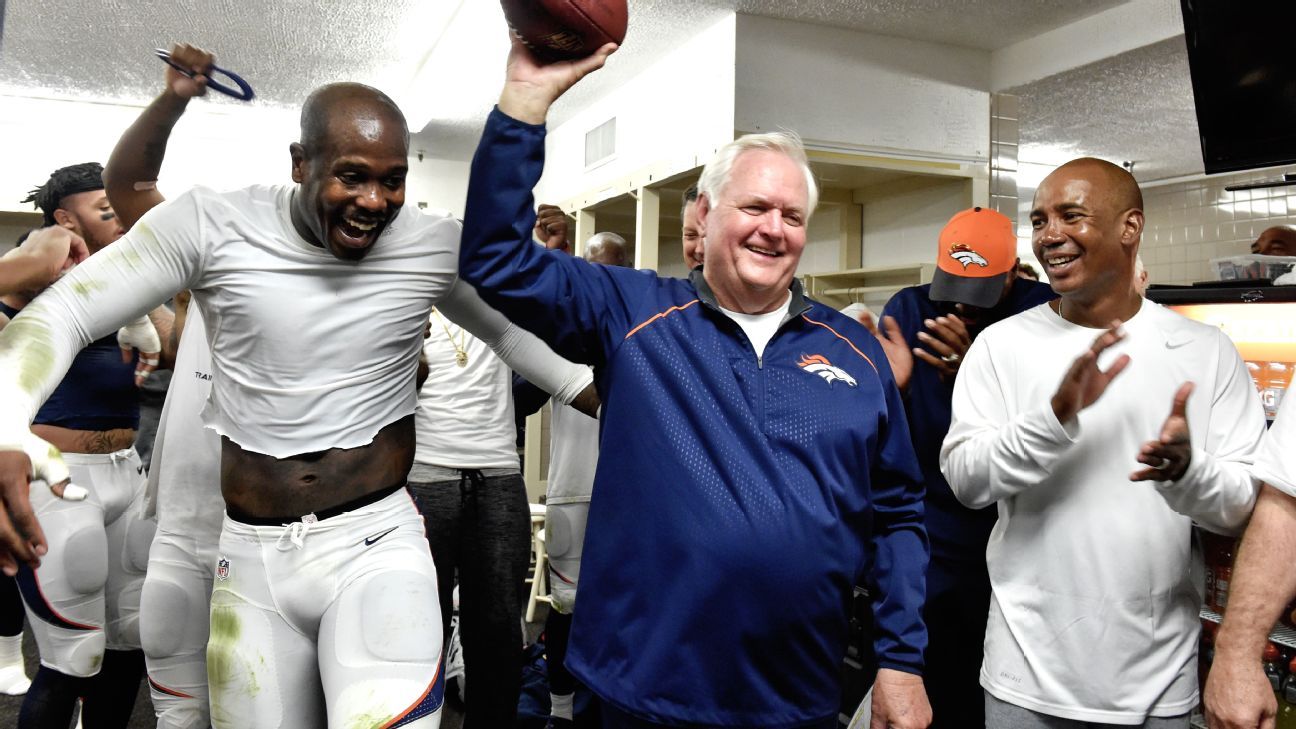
{"x": 1272, "y": 657}
{"x": 1213, "y": 548}
{"x": 1287, "y": 699}
{"x": 1223, "y": 575}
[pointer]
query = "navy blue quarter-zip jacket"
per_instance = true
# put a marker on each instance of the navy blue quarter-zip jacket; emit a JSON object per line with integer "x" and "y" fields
{"x": 737, "y": 501}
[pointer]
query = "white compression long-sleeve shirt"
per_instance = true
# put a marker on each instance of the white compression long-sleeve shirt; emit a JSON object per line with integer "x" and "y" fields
{"x": 309, "y": 352}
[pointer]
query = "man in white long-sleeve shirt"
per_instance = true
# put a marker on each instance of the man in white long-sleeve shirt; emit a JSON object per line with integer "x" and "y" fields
{"x": 1093, "y": 617}
{"x": 315, "y": 296}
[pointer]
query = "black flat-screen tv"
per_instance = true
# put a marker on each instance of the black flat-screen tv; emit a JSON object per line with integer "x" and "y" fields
{"x": 1242, "y": 57}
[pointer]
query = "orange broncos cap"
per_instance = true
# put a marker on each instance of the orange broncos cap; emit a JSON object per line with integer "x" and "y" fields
{"x": 976, "y": 253}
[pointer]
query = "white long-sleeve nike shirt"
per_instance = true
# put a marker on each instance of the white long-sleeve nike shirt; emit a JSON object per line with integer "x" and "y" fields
{"x": 309, "y": 352}
{"x": 1094, "y": 612}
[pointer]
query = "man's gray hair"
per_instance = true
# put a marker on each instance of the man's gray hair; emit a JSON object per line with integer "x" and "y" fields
{"x": 717, "y": 172}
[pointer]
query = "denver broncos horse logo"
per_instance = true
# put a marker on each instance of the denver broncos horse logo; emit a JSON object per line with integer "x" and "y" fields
{"x": 966, "y": 256}
{"x": 819, "y": 365}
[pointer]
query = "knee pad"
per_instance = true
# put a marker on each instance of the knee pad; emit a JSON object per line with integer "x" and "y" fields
{"x": 123, "y": 625}
{"x": 398, "y": 616}
{"x": 165, "y": 611}
{"x": 80, "y": 657}
{"x": 85, "y": 559}
{"x": 558, "y": 533}
{"x": 139, "y": 538}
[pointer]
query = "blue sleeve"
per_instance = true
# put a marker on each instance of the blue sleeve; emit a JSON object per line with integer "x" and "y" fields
{"x": 580, "y": 309}
{"x": 898, "y": 582}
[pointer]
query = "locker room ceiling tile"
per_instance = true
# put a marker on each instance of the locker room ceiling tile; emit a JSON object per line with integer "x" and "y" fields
{"x": 1137, "y": 106}
{"x": 985, "y": 24}
{"x": 102, "y": 49}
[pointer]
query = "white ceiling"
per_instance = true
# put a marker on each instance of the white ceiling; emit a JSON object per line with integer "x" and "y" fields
{"x": 101, "y": 49}
{"x": 1135, "y": 105}
{"x": 984, "y": 24}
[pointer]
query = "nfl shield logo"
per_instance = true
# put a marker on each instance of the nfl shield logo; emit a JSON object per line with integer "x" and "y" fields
{"x": 222, "y": 569}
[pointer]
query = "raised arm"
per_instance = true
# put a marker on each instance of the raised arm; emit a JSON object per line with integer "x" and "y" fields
{"x": 564, "y": 300}
{"x": 130, "y": 178}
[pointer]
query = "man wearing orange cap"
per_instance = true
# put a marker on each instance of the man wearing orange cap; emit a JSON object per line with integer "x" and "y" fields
{"x": 927, "y": 330}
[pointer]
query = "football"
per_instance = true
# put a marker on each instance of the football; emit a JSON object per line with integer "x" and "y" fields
{"x": 566, "y": 29}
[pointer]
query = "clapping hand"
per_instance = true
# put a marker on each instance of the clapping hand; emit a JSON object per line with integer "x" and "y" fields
{"x": 1169, "y": 456}
{"x": 1085, "y": 382}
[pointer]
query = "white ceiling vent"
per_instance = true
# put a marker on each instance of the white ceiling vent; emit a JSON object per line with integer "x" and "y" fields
{"x": 600, "y": 143}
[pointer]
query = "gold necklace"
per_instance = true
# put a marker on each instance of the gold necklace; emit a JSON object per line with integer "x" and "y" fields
{"x": 461, "y": 351}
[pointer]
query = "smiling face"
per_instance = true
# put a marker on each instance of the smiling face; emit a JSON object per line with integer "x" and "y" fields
{"x": 1086, "y": 231}
{"x": 754, "y": 231}
{"x": 352, "y": 176}
{"x": 693, "y": 250}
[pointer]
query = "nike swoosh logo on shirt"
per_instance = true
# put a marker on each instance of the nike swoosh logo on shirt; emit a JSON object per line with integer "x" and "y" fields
{"x": 379, "y": 535}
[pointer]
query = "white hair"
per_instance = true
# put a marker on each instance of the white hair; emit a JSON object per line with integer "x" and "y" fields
{"x": 1140, "y": 275}
{"x": 716, "y": 174}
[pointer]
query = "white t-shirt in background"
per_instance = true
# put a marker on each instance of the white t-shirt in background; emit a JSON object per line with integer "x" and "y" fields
{"x": 465, "y": 414}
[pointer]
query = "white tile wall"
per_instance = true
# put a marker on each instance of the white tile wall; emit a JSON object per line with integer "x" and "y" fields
{"x": 1189, "y": 223}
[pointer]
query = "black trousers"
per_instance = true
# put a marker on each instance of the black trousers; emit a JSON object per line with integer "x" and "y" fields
{"x": 958, "y": 605}
{"x": 480, "y": 527}
{"x": 614, "y": 718}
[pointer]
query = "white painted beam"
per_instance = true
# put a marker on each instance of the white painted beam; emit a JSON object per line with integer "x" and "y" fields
{"x": 647, "y": 228}
{"x": 586, "y": 226}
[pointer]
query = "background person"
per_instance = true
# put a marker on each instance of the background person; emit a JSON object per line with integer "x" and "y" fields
{"x": 928, "y": 330}
{"x": 183, "y": 488}
{"x": 694, "y": 251}
{"x": 573, "y": 457}
{"x": 1278, "y": 240}
{"x": 83, "y": 605}
{"x": 1238, "y": 694}
{"x": 467, "y": 483}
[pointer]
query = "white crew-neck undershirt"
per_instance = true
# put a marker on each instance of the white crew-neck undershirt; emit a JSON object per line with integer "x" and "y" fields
{"x": 760, "y": 328}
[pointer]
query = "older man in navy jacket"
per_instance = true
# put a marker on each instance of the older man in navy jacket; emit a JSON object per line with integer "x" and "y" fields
{"x": 764, "y": 458}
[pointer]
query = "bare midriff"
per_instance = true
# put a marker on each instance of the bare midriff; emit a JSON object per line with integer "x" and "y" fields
{"x": 264, "y": 486}
{"x": 70, "y": 440}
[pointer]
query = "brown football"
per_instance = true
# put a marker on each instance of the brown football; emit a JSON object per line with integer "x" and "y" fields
{"x": 564, "y": 29}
